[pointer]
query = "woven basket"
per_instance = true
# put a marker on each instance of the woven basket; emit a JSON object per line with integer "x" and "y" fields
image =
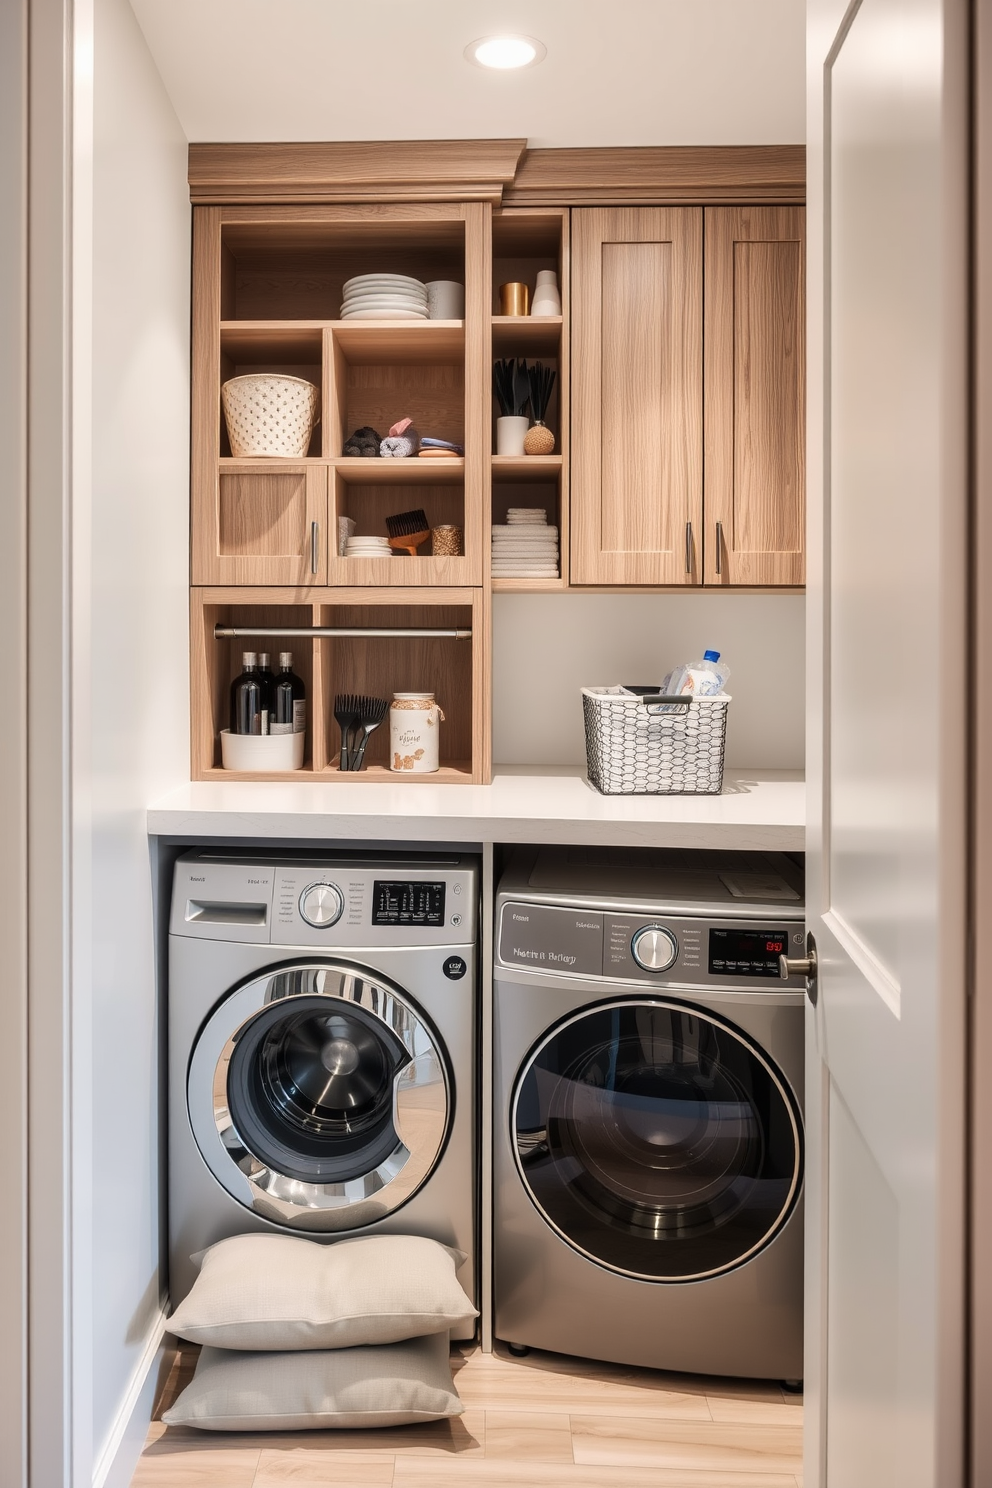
{"x": 269, "y": 414}
{"x": 639, "y": 748}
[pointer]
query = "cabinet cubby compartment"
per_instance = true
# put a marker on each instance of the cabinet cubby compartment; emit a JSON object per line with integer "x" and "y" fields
{"x": 360, "y": 490}
{"x": 216, "y": 662}
{"x": 381, "y": 665}
{"x": 518, "y": 483}
{"x": 457, "y": 670}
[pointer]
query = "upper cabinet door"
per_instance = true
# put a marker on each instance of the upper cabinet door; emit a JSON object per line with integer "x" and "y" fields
{"x": 755, "y": 395}
{"x": 637, "y": 374}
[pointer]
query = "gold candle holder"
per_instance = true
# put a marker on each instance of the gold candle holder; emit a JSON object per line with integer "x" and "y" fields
{"x": 514, "y": 299}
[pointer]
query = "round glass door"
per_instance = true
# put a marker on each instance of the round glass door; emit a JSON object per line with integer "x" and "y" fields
{"x": 656, "y": 1139}
{"x": 319, "y": 1096}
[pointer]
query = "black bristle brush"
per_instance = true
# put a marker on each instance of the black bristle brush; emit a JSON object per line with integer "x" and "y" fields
{"x": 510, "y": 386}
{"x": 542, "y": 381}
{"x": 407, "y": 530}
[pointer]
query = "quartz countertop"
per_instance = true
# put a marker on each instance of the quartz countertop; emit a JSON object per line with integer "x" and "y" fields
{"x": 759, "y": 810}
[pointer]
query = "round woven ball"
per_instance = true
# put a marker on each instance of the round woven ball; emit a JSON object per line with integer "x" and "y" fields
{"x": 539, "y": 440}
{"x": 269, "y": 414}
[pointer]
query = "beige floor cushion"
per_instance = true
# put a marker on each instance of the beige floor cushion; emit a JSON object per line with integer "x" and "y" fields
{"x": 277, "y": 1292}
{"x": 390, "y": 1385}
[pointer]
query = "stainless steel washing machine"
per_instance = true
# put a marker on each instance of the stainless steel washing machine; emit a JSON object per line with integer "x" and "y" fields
{"x": 648, "y": 1137}
{"x": 322, "y": 1015}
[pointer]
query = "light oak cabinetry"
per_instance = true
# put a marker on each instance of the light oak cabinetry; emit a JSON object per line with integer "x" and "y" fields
{"x": 754, "y": 395}
{"x": 664, "y": 391}
{"x": 637, "y": 362}
{"x": 677, "y": 407}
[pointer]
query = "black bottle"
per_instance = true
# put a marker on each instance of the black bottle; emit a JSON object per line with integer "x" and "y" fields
{"x": 268, "y": 690}
{"x": 247, "y": 697}
{"x": 289, "y": 699}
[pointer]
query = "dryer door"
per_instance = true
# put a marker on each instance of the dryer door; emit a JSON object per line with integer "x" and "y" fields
{"x": 656, "y": 1139}
{"x": 319, "y": 1097}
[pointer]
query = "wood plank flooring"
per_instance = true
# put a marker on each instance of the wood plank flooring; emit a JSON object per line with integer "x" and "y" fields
{"x": 545, "y": 1421}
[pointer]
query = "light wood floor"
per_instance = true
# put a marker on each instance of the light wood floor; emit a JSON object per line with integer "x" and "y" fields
{"x": 541, "y": 1422}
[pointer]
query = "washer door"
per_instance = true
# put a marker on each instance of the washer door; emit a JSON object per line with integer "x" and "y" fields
{"x": 319, "y": 1097}
{"x": 656, "y": 1139}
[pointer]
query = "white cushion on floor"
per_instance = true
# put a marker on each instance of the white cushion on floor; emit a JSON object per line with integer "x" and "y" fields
{"x": 277, "y": 1292}
{"x": 391, "y": 1385}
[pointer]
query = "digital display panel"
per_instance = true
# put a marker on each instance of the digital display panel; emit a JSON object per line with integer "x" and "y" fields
{"x": 399, "y": 902}
{"x": 747, "y": 953}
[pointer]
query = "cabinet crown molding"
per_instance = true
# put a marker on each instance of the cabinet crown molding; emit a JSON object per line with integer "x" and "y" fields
{"x": 501, "y": 171}
{"x": 354, "y": 171}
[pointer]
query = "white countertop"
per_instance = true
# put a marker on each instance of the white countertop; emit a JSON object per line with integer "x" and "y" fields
{"x": 759, "y": 810}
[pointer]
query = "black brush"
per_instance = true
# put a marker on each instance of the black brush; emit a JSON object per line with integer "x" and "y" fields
{"x": 346, "y": 716}
{"x": 407, "y": 531}
{"x": 510, "y": 386}
{"x": 371, "y": 712}
{"x": 542, "y": 381}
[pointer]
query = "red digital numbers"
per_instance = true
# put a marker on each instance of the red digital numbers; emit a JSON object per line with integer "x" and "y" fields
{"x": 775, "y": 946}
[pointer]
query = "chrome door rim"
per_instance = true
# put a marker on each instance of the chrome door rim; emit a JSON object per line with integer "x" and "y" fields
{"x": 421, "y": 1102}
{"x": 675, "y": 1005}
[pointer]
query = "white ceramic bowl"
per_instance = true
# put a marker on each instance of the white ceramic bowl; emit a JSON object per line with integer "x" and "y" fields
{"x": 261, "y": 751}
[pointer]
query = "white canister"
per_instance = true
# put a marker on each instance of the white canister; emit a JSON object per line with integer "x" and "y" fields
{"x": 511, "y": 431}
{"x": 445, "y": 299}
{"x": 547, "y": 300}
{"x": 414, "y": 725}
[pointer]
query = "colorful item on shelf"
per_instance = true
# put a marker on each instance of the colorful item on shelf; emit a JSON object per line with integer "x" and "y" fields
{"x": 365, "y": 443}
{"x": 414, "y": 733}
{"x": 439, "y": 454}
{"x": 407, "y": 531}
{"x": 268, "y": 414}
{"x": 446, "y": 541}
{"x": 401, "y": 442}
{"x": 514, "y": 299}
{"x": 441, "y": 444}
{"x": 547, "y": 300}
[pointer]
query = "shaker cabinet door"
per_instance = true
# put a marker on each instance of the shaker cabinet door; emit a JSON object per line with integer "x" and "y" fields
{"x": 268, "y": 525}
{"x": 755, "y": 395}
{"x": 637, "y": 359}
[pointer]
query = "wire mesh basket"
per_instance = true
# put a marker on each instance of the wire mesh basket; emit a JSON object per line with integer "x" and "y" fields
{"x": 645, "y": 744}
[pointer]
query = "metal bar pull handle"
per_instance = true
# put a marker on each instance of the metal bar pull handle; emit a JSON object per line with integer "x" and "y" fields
{"x": 719, "y": 547}
{"x": 688, "y": 547}
{"x": 314, "y": 536}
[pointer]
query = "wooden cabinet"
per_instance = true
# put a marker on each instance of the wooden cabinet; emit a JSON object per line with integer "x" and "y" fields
{"x": 688, "y": 396}
{"x": 266, "y": 524}
{"x": 754, "y": 395}
{"x": 637, "y": 367}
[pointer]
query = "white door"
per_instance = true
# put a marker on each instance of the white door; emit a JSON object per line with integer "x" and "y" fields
{"x": 887, "y": 756}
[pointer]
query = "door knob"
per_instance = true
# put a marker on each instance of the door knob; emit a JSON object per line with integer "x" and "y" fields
{"x": 802, "y": 966}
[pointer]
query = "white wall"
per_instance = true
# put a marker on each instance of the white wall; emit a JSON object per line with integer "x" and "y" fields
{"x": 130, "y": 574}
{"x": 546, "y": 647}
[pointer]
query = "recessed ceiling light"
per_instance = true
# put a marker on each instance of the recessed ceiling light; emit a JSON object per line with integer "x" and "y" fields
{"x": 504, "y": 52}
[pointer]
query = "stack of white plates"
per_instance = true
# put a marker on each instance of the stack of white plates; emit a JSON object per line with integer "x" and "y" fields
{"x": 367, "y": 547}
{"x": 384, "y": 297}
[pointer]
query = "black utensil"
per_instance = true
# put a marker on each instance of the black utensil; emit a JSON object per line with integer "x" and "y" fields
{"x": 346, "y": 714}
{"x": 511, "y": 386}
{"x": 371, "y": 712}
{"x": 541, "y": 380}
{"x": 521, "y": 387}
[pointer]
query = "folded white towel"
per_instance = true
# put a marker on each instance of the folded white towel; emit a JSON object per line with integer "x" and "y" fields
{"x": 526, "y": 533}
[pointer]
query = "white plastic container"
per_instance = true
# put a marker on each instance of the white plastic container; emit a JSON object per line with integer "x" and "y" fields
{"x": 414, "y": 729}
{"x": 262, "y": 752}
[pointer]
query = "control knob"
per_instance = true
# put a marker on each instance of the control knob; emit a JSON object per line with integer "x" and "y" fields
{"x": 322, "y": 905}
{"x": 654, "y": 948}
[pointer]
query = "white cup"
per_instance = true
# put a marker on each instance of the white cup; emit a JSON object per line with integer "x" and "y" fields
{"x": 511, "y": 431}
{"x": 445, "y": 300}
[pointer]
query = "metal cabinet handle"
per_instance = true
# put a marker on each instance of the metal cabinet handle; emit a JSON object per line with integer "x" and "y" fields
{"x": 719, "y": 547}
{"x": 802, "y": 966}
{"x": 314, "y": 534}
{"x": 688, "y": 547}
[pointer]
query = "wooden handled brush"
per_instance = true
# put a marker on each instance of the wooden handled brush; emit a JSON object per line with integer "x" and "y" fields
{"x": 407, "y": 531}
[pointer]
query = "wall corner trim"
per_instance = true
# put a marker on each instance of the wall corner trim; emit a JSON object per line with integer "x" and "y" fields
{"x": 114, "y": 1468}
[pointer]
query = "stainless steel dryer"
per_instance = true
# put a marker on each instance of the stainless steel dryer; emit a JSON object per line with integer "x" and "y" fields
{"x": 321, "y": 1049}
{"x": 648, "y": 1136}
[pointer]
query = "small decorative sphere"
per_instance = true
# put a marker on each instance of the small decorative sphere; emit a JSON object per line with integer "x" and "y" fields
{"x": 539, "y": 440}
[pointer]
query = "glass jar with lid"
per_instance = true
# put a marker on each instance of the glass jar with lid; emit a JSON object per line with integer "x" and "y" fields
{"x": 414, "y": 727}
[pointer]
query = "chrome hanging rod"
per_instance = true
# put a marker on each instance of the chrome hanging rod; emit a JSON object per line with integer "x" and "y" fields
{"x": 234, "y": 632}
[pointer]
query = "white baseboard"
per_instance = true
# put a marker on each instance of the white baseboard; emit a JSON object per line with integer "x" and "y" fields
{"x": 114, "y": 1468}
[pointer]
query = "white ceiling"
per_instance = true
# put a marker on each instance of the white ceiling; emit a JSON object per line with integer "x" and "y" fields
{"x": 618, "y": 72}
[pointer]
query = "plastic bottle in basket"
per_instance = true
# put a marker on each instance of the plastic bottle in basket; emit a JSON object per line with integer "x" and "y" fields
{"x": 704, "y": 678}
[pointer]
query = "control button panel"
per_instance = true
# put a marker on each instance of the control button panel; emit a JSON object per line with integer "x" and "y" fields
{"x": 654, "y": 948}
{"x": 322, "y": 905}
